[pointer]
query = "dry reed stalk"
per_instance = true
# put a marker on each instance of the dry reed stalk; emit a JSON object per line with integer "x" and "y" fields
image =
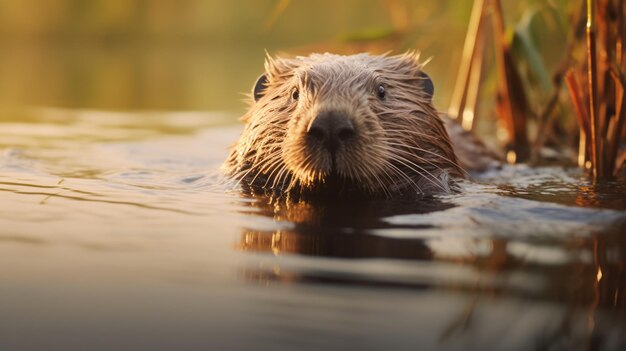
{"x": 582, "y": 115}
{"x": 592, "y": 81}
{"x": 512, "y": 103}
{"x": 473, "y": 88}
{"x": 621, "y": 34}
{"x": 468, "y": 60}
{"x": 616, "y": 124}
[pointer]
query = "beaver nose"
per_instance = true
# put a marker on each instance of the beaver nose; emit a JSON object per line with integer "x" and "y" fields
{"x": 331, "y": 128}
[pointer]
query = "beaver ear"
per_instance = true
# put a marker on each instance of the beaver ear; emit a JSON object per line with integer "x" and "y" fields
{"x": 259, "y": 87}
{"x": 426, "y": 84}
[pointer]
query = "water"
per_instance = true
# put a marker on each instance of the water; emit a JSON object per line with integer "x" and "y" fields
{"x": 118, "y": 232}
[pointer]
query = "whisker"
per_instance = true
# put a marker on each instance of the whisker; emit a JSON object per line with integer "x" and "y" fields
{"x": 434, "y": 180}
{"x": 399, "y": 172}
{"x": 430, "y": 153}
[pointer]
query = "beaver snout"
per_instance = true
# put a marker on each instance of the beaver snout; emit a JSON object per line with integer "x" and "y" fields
{"x": 331, "y": 129}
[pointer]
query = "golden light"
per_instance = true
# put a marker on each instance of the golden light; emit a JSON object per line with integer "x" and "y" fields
{"x": 511, "y": 157}
{"x": 468, "y": 119}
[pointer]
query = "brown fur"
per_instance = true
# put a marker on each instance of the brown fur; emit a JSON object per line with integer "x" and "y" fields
{"x": 401, "y": 145}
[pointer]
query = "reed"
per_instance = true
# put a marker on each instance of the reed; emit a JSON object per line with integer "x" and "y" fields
{"x": 595, "y": 84}
{"x": 601, "y": 119}
{"x": 465, "y": 94}
{"x": 511, "y": 100}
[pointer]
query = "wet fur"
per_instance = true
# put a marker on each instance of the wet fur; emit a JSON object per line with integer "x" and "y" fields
{"x": 401, "y": 148}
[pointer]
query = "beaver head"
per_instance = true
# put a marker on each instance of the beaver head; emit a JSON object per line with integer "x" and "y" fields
{"x": 343, "y": 125}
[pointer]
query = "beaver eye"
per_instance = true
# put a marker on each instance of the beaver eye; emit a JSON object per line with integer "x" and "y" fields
{"x": 295, "y": 94}
{"x": 381, "y": 92}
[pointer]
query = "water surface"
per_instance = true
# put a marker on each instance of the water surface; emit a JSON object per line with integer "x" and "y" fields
{"x": 117, "y": 231}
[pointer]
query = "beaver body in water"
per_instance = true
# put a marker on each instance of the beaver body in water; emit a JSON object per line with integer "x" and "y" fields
{"x": 349, "y": 126}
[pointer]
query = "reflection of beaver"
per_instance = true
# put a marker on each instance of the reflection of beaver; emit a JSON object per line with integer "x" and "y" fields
{"x": 348, "y": 229}
{"x": 342, "y": 125}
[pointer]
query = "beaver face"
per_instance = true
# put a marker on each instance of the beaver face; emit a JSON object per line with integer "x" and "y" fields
{"x": 358, "y": 124}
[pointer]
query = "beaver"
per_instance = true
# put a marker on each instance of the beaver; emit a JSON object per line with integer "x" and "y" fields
{"x": 344, "y": 126}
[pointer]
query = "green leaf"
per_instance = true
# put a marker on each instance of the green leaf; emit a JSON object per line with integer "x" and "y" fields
{"x": 540, "y": 40}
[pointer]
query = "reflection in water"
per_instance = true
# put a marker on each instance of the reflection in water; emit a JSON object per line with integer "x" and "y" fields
{"x": 334, "y": 244}
{"x": 337, "y": 229}
{"x": 584, "y": 274}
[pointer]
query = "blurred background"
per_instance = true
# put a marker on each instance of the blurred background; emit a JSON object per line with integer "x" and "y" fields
{"x": 201, "y": 54}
